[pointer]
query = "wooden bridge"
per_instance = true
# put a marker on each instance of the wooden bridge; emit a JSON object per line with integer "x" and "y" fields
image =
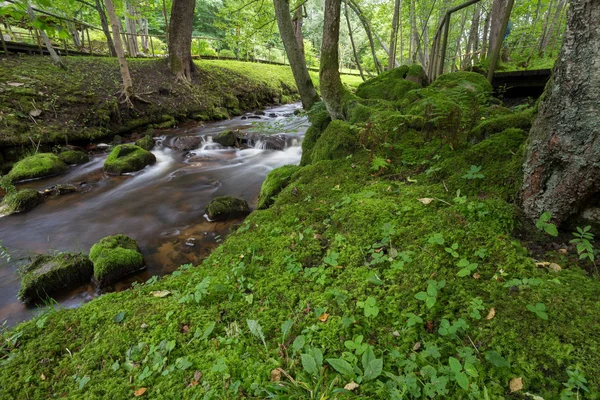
{"x": 513, "y": 84}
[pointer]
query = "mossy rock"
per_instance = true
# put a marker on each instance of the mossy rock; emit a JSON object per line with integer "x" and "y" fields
{"x": 416, "y": 74}
{"x": 275, "y": 182}
{"x": 226, "y": 207}
{"x": 339, "y": 140}
{"x": 520, "y": 120}
{"x": 37, "y": 166}
{"x": 219, "y": 113}
{"x": 319, "y": 120}
{"x": 115, "y": 257}
{"x": 73, "y": 157}
{"x": 389, "y": 85}
{"x": 226, "y": 138}
{"x": 127, "y": 158}
{"x": 146, "y": 143}
{"x": 49, "y": 274}
{"x": 20, "y": 201}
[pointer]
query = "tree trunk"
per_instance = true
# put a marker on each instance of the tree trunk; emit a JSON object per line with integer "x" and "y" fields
{"x": 130, "y": 27}
{"x": 498, "y": 8}
{"x": 414, "y": 34}
{"x": 367, "y": 26}
{"x": 180, "y": 39}
{"x": 562, "y": 170}
{"x": 331, "y": 84}
{"x": 297, "y": 24}
{"x": 166, "y": 17}
{"x": 352, "y": 42}
{"x": 546, "y": 39}
{"x": 143, "y": 23}
{"x": 394, "y": 34}
{"x": 485, "y": 37}
{"x": 125, "y": 76}
{"x": 55, "y": 58}
{"x": 308, "y": 94}
{"x": 466, "y": 61}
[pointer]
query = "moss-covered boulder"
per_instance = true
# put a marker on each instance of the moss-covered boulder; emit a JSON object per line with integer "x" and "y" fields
{"x": 73, "y": 157}
{"x": 389, "y": 85}
{"x": 226, "y": 207}
{"x": 127, "y": 158}
{"x": 416, "y": 74}
{"x": 339, "y": 140}
{"x": 115, "y": 257}
{"x": 519, "y": 120}
{"x": 37, "y": 166}
{"x": 146, "y": 143}
{"x": 319, "y": 120}
{"x": 226, "y": 138}
{"x": 49, "y": 274}
{"x": 20, "y": 201}
{"x": 275, "y": 182}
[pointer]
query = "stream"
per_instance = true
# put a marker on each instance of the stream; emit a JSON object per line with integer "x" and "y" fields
{"x": 162, "y": 206}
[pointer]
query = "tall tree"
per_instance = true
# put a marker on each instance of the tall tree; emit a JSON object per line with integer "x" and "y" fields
{"x": 127, "y": 90}
{"x": 356, "y": 59}
{"x": 369, "y": 32}
{"x": 180, "y": 39}
{"x": 562, "y": 169}
{"x": 131, "y": 28}
{"x": 329, "y": 74}
{"x": 297, "y": 24}
{"x": 55, "y": 58}
{"x": 308, "y": 94}
{"x": 394, "y": 34}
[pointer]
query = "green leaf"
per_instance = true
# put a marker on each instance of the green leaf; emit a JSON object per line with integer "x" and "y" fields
{"x": 309, "y": 364}
{"x": 342, "y": 366}
{"x": 430, "y": 302}
{"x": 374, "y": 279}
{"x": 551, "y": 230}
{"x": 374, "y": 369}
{"x": 455, "y": 365}
{"x": 286, "y": 327}
{"x": 471, "y": 370}
{"x": 182, "y": 363}
{"x": 463, "y": 272}
{"x": 496, "y": 359}
{"x": 367, "y": 357}
{"x": 421, "y": 296}
{"x": 299, "y": 343}
{"x": 119, "y": 317}
{"x": 462, "y": 380}
{"x": 207, "y": 331}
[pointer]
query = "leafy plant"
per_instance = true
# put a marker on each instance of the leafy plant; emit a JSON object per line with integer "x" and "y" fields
{"x": 369, "y": 306}
{"x": 462, "y": 372}
{"x": 257, "y": 331}
{"x": 474, "y": 173}
{"x": 378, "y": 164}
{"x": 475, "y": 306}
{"x": 539, "y": 309}
{"x": 576, "y": 383}
{"x": 466, "y": 267}
{"x": 430, "y": 296}
{"x": 452, "y": 250}
{"x": 583, "y": 239}
{"x": 413, "y": 319}
{"x": 544, "y": 225}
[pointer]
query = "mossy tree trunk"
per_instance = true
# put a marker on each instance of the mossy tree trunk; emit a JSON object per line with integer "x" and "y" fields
{"x": 394, "y": 34}
{"x": 297, "y": 22}
{"x": 124, "y": 68}
{"x": 180, "y": 39}
{"x": 308, "y": 94}
{"x": 329, "y": 74}
{"x": 105, "y": 29}
{"x": 562, "y": 169}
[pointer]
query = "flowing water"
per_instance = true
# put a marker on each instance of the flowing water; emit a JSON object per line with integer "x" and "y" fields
{"x": 162, "y": 207}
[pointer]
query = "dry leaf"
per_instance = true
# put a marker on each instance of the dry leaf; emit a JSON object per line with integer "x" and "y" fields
{"x": 35, "y": 113}
{"x": 197, "y": 375}
{"x": 276, "y": 375}
{"x": 324, "y": 317}
{"x": 426, "y": 200}
{"x": 15, "y": 84}
{"x": 43, "y": 377}
{"x": 351, "y": 386}
{"x": 417, "y": 346}
{"x": 563, "y": 251}
{"x": 140, "y": 392}
{"x": 144, "y": 326}
{"x": 408, "y": 179}
{"x": 554, "y": 267}
{"x": 491, "y": 314}
{"x": 476, "y": 275}
{"x": 516, "y": 384}
{"x": 542, "y": 264}
{"x": 160, "y": 293}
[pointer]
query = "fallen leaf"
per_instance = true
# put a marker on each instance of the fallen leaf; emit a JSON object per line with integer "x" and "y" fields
{"x": 408, "y": 179}
{"x": 542, "y": 264}
{"x": 563, "y": 251}
{"x": 185, "y": 329}
{"x": 160, "y": 293}
{"x": 140, "y": 392}
{"x": 491, "y": 314}
{"x": 417, "y": 346}
{"x": 516, "y": 384}
{"x": 554, "y": 267}
{"x": 426, "y": 200}
{"x": 351, "y": 386}
{"x": 144, "y": 326}
{"x": 276, "y": 375}
{"x": 15, "y": 84}
{"x": 197, "y": 375}
{"x": 43, "y": 377}
{"x": 324, "y": 317}
{"x": 35, "y": 113}
{"x": 396, "y": 334}
{"x": 476, "y": 275}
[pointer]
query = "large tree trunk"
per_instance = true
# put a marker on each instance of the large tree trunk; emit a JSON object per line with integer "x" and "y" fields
{"x": 104, "y": 24}
{"x": 55, "y": 58}
{"x": 125, "y": 76}
{"x": 297, "y": 24}
{"x": 331, "y": 84}
{"x": 180, "y": 39}
{"x": 498, "y": 7}
{"x": 562, "y": 170}
{"x": 394, "y": 34}
{"x": 308, "y": 94}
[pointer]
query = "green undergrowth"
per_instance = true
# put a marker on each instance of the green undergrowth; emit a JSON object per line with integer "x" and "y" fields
{"x": 389, "y": 269}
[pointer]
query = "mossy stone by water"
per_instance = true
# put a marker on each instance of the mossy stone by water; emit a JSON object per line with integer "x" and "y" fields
{"x": 339, "y": 140}
{"x": 73, "y": 157}
{"x": 146, "y": 143}
{"x": 274, "y": 183}
{"x": 389, "y": 85}
{"x": 115, "y": 257}
{"x": 49, "y": 274}
{"x": 226, "y": 207}
{"x": 127, "y": 158}
{"x": 20, "y": 201}
{"x": 37, "y": 166}
{"x": 226, "y": 138}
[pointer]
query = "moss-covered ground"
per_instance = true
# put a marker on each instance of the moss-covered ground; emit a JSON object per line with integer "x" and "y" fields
{"x": 389, "y": 268}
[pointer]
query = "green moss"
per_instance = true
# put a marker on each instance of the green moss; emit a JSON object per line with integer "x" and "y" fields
{"x": 49, "y": 274}
{"x": 339, "y": 140}
{"x": 219, "y": 113}
{"x": 389, "y": 85}
{"x": 127, "y": 158}
{"x": 226, "y": 207}
{"x": 319, "y": 120}
{"x": 37, "y": 166}
{"x": 226, "y": 138}
{"x": 274, "y": 183}
{"x": 20, "y": 201}
{"x": 416, "y": 73}
{"x": 71, "y": 157}
{"x": 115, "y": 257}
{"x": 520, "y": 120}
{"x": 146, "y": 143}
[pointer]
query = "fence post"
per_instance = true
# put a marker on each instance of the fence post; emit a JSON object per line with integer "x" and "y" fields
{"x": 87, "y": 31}
{"x": 151, "y": 46}
{"x": 3, "y": 42}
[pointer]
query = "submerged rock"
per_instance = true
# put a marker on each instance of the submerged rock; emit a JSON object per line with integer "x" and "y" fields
{"x": 115, "y": 257}
{"x": 37, "y": 166}
{"x": 146, "y": 143}
{"x": 226, "y": 207}
{"x": 21, "y": 201}
{"x": 187, "y": 143}
{"x": 274, "y": 183}
{"x": 60, "y": 189}
{"x": 127, "y": 158}
{"x": 74, "y": 157}
{"x": 49, "y": 274}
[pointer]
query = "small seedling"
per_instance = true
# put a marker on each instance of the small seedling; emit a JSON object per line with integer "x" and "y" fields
{"x": 544, "y": 225}
{"x": 474, "y": 173}
{"x": 539, "y": 309}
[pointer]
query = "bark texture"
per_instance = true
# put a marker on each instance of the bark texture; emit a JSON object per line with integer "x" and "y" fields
{"x": 180, "y": 39}
{"x": 562, "y": 169}
{"x": 55, "y": 58}
{"x": 394, "y": 34}
{"x": 308, "y": 94}
{"x": 331, "y": 84}
{"x": 124, "y": 68}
